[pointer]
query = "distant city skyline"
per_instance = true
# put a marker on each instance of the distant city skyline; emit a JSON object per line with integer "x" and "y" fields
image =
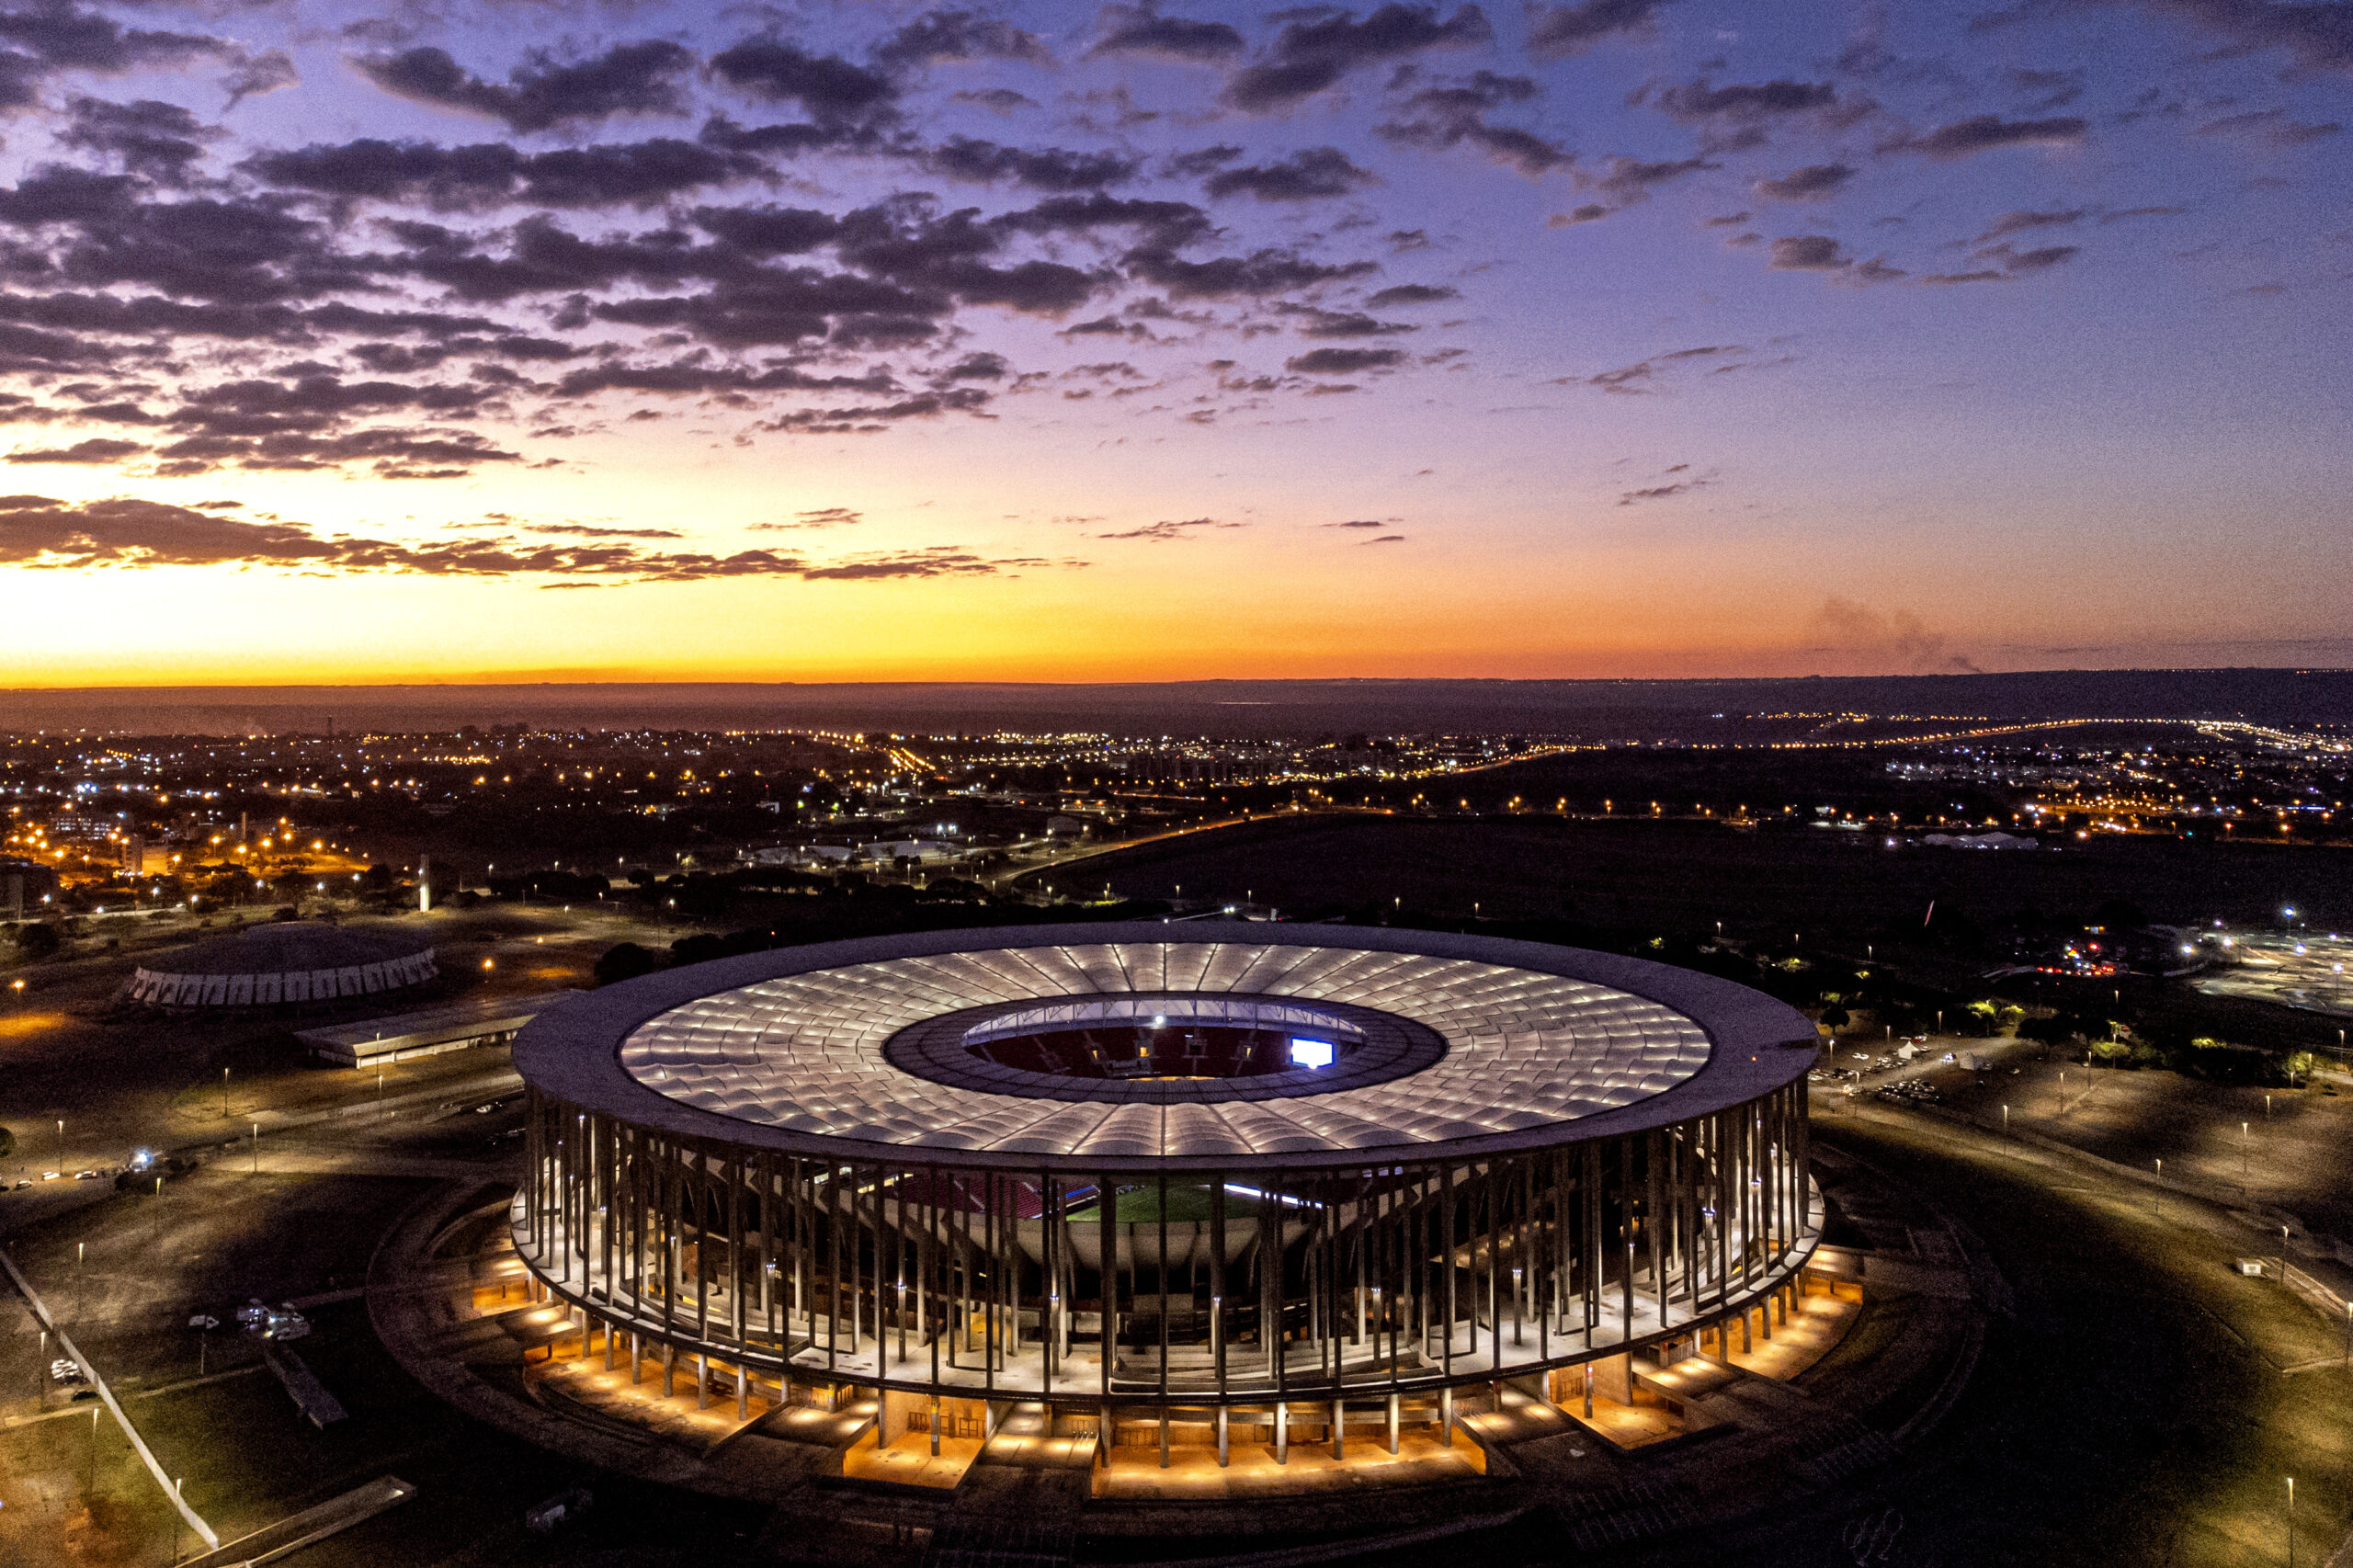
{"x": 1641, "y": 338}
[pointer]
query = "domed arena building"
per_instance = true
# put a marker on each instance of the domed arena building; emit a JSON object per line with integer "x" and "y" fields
{"x": 286, "y": 962}
{"x": 1166, "y": 1185}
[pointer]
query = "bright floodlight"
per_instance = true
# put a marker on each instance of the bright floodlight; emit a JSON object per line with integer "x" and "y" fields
{"x": 1311, "y": 1053}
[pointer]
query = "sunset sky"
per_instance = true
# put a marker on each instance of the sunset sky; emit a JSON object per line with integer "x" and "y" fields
{"x": 1627, "y": 337}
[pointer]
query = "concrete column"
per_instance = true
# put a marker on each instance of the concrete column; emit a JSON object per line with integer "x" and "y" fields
{"x": 1393, "y": 1425}
{"x": 702, "y": 1380}
{"x": 1220, "y": 1437}
{"x": 669, "y": 1370}
{"x": 1446, "y": 1416}
{"x": 935, "y": 1425}
{"x": 1163, "y": 1432}
{"x": 1340, "y": 1442}
{"x": 609, "y": 1347}
{"x": 1282, "y": 1434}
{"x": 634, "y": 1358}
{"x": 743, "y": 1394}
{"x": 1587, "y": 1369}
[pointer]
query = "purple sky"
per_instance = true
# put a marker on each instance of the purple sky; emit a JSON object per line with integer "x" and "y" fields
{"x": 1633, "y": 337}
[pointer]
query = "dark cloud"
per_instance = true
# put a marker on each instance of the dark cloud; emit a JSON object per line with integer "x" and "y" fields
{"x": 959, "y": 35}
{"x": 2272, "y": 125}
{"x": 416, "y": 172}
{"x": 2319, "y": 36}
{"x": 1746, "y": 101}
{"x": 635, "y": 174}
{"x": 1343, "y": 361}
{"x": 1980, "y": 132}
{"x": 53, "y": 36}
{"x": 940, "y": 561}
{"x": 1659, "y": 492}
{"x": 1446, "y": 117}
{"x": 1591, "y": 212}
{"x": 1808, "y": 253}
{"x": 821, "y": 517}
{"x": 2019, "y": 263}
{"x": 1308, "y": 175}
{"x": 129, "y": 533}
{"x": 156, "y": 140}
{"x": 769, "y": 230}
{"x": 978, "y": 368}
{"x": 2122, "y": 213}
{"x": 630, "y": 78}
{"x": 1162, "y": 532}
{"x": 1315, "y": 50}
{"x": 828, "y": 86}
{"x": 865, "y": 419}
{"x": 1052, "y": 168}
{"x": 1199, "y": 162}
{"x": 1260, "y": 274}
{"x": 1344, "y": 324}
{"x": 1632, "y": 179}
{"x": 1357, "y": 522}
{"x": 1141, "y": 29}
{"x": 1411, "y": 294}
{"x": 1634, "y": 379}
{"x": 996, "y": 100}
{"x": 256, "y": 75}
{"x": 97, "y": 450}
{"x": 2019, "y": 222}
{"x": 1171, "y": 224}
{"x": 1811, "y": 183}
{"x": 1555, "y": 31}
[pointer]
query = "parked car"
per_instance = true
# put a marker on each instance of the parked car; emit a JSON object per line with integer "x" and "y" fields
{"x": 543, "y": 1518}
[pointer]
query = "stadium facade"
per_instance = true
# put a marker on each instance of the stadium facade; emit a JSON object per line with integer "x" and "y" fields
{"x": 1156, "y": 1177}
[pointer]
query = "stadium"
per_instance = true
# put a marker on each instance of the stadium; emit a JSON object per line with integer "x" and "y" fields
{"x": 1167, "y": 1185}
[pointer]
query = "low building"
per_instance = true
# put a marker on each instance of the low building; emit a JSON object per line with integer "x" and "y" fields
{"x": 283, "y": 963}
{"x": 372, "y": 1042}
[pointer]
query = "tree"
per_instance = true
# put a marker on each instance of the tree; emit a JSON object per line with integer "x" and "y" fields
{"x": 1982, "y": 1012}
{"x": 624, "y": 960}
{"x": 7, "y": 1143}
{"x": 37, "y": 940}
{"x": 2010, "y": 1017}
